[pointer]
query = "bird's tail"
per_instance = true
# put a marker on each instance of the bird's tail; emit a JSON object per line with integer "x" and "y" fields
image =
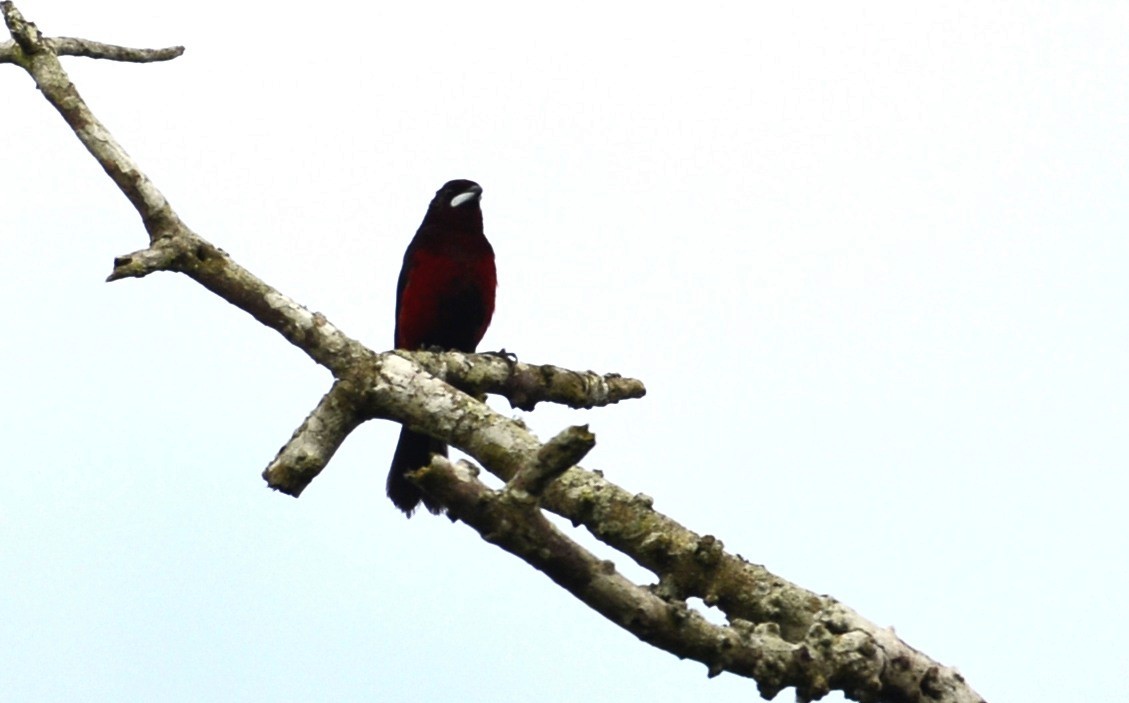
{"x": 413, "y": 451}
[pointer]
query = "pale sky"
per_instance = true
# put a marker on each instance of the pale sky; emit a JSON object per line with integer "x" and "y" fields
{"x": 870, "y": 263}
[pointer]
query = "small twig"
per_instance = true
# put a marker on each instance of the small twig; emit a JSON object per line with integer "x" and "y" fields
{"x": 163, "y": 255}
{"x": 72, "y": 46}
{"x": 557, "y": 456}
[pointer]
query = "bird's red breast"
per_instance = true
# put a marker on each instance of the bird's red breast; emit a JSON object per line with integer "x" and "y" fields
{"x": 447, "y": 300}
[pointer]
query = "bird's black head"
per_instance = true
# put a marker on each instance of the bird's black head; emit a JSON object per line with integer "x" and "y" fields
{"x": 454, "y": 210}
{"x": 460, "y": 193}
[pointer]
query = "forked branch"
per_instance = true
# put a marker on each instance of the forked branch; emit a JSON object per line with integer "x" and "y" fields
{"x": 778, "y": 633}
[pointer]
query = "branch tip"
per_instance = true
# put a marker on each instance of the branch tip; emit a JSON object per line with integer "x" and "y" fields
{"x": 558, "y": 455}
{"x": 315, "y": 442}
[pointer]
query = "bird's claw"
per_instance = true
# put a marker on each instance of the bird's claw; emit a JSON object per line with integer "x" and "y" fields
{"x": 503, "y": 354}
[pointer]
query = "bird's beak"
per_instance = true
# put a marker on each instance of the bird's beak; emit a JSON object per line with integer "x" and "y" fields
{"x": 471, "y": 193}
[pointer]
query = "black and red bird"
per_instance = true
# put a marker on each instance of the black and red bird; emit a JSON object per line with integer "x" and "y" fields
{"x": 444, "y": 298}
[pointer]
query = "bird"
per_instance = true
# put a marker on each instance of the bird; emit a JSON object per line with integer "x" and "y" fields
{"x": 445, "y": 299}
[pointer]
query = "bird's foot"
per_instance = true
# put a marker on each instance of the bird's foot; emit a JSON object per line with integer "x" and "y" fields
{"x": 503, "y": 354}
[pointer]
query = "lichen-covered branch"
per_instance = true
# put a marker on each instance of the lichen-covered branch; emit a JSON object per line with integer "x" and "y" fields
{"x": 393, "y": 386}
{"x": 521, "y": 529}
{"x": 525, "y": 385}
{"x": 555, "y": 457}
{"x": 839, "y": 651}
{"x": 778, "y": 633}
{"x": 70, "y": 46}
{"x": 691, "y": 565}
{"x": 877, "y": 665}
{"x": 173, "y": 246}
{"x": 315, "y": 442}
{"x": 37, "y": 59}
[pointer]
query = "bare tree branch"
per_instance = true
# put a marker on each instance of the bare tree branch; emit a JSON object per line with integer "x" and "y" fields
{"x": 397, "y": 386}
{"x": 173, "y": 246}
{"x": 878, "y": 665}
{"x": 839, "y": 651}
{"x": 37, "y": 59}
{"x": 778, "y": 633}
{"x": 70, "y": 46}
{"x": 525, "y": 385}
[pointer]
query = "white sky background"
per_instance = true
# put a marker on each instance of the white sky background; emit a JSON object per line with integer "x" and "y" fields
{"x": 869, "y": 262}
